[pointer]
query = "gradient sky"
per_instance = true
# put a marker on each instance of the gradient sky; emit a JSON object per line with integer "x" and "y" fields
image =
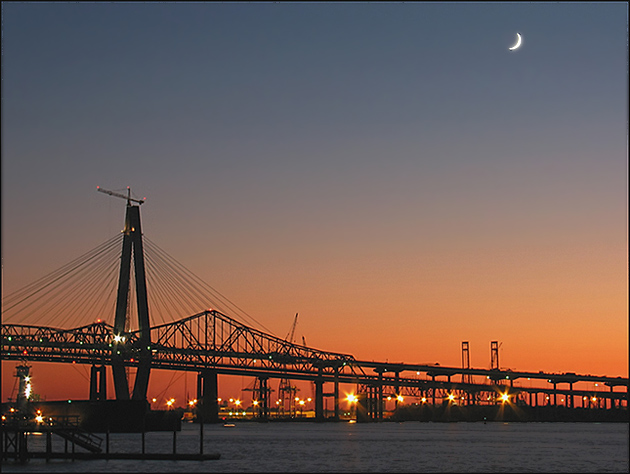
{"x": 389, "y": 171}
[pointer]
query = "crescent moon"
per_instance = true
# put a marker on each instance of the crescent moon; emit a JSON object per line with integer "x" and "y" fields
{"x": 518, "y": 42}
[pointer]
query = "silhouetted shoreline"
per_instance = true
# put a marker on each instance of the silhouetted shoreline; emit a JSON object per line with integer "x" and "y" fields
{"x": 511, "y": 413}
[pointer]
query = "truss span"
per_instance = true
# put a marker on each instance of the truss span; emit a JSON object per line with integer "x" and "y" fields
{"x": 207, "y": 340}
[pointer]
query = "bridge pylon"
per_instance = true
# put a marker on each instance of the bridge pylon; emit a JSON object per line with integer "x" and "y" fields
{"x": 141, "y": 351}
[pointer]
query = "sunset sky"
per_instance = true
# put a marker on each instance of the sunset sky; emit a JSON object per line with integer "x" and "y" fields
{"x": 390, "y": 171}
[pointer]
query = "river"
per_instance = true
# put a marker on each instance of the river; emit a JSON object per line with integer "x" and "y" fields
{"x": 369, "y": 447}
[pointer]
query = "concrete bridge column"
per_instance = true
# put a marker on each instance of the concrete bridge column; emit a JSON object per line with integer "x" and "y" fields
{"x": 396, "y": 388}
{"x": 98, "y": 383}
{"x": 263, "y": 398}
{"x": 378, "y": 413}
{"x": 336, "y": 392}
{"x": 207, "y": 395}
{"x": 361, "y": 407}
{"x": 319, "y": 397}
{"x": 375, "y": 399}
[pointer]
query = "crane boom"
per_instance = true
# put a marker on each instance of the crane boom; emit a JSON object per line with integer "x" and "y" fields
{"x": 292, "y": 331}
{"x": 127, "y": 197}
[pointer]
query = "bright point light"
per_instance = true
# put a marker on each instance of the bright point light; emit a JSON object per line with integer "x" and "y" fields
{"x": 451, "y": 397}
{"x": 237, "y": 402}
{"x": 302, "y": 402}
{"x": 505, "y": 397}
{"x": 424, "y": 400}
{"x": 351, "y": 398}
{"x": 255, "y": 402}
{"x": 39, "y": 418}
{"x": 154, "y": 400}
{"x": 400, "y": 398}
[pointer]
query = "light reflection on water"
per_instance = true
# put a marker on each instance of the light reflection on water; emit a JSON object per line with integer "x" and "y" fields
{"x": 379, "y": 447}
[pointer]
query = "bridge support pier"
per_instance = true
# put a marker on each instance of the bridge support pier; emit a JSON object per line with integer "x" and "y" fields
{"x": 396, "y": 388}
{"x": 362, "y": 407}
{"x": 263, "y": 399}
{"x": 336, "y": 394}
{"x": 207, "y": 394}
{"x": 319, "y": 398}
{"x": 98, "y": 383}
{"x": 378, "y": 412}
{"x": 367, "y": 404}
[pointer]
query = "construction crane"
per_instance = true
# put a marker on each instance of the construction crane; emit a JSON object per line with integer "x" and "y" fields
{"x": 127, "y": 197}
{"x": 291, "y": 333}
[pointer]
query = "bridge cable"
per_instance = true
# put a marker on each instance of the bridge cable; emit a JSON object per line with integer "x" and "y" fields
{"x": 190, "y": 284}
{"x": 67, "y": 283}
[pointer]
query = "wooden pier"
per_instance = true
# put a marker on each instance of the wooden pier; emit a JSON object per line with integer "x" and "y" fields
{"x": 14, "y": 444}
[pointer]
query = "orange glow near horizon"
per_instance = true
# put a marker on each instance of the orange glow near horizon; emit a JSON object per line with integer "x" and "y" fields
{"x": 399, "y": 206}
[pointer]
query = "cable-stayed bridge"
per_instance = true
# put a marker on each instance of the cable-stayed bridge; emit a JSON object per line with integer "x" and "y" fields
{"x": 63, "y": 318}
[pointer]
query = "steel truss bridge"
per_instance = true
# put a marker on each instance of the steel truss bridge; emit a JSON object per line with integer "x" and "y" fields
{"x": 211, "y": 343}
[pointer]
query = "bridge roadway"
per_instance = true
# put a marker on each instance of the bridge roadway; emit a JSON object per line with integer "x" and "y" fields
{"x": 211, "y": 343}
